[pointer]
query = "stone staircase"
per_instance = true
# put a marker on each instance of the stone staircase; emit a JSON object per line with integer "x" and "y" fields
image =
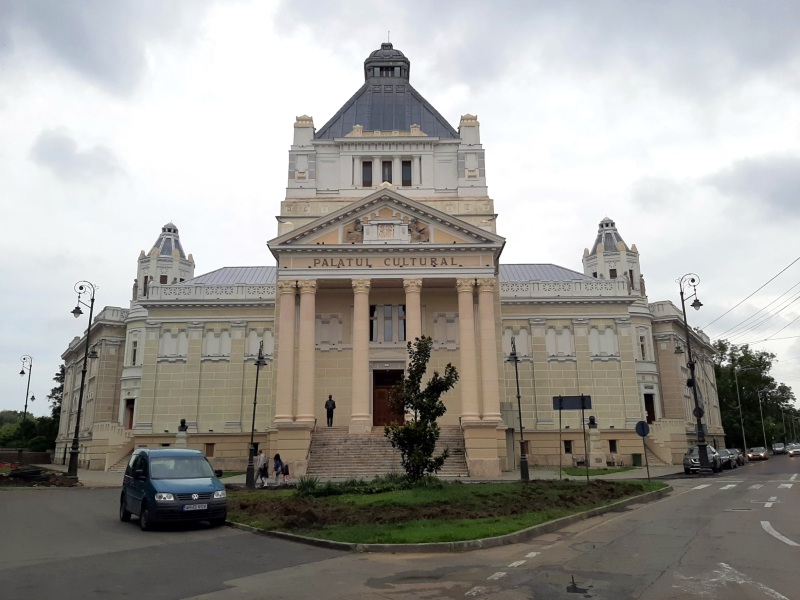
{"x": 121, "y": 464}
{"x": 652, "y": 459}
{"x": 338, "y": 454}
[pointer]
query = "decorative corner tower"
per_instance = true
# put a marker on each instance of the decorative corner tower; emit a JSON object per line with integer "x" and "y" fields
{"x": 611, "y": 258}
{"x": 166, "y": 263}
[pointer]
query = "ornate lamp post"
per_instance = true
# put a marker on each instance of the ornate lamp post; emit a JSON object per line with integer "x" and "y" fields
{"x": 250, "y": 478}
{"x": 690, "y": 279}
{"x": 523, "y": 459}
{"x": 82, "y": 287}
{"x": 27, "y": 366}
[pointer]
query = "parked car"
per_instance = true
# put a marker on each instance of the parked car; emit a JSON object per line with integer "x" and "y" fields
{"x": 741, "y": 457}
{"x": 757, "y": 453}
{"x": 778, "y": 448}
{"x": 691, "y": 460}
{"x": 793, "y": 449}
{"x": 727, "y": 458}
{"x": 171, "y": 484}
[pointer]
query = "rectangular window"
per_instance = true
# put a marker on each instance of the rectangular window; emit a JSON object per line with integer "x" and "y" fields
{"x": 630, "y": 275}
{"x": 567, "y": 446}
{"x": 386, "y": 171}
{"x": 134, "y": 348}
{"x": 209, "y": 450}
{"x": 406, "y": 173}
{"x": 594, "y": 274}
{"x": 387, "y": 323}
{"x": 366, "y": 173}
{"x": 642, "y": 348}
{"x": 165, "y": 445}
{"x": 163, "y": 279}
{"x": 612, "y": 446}
{"x": 373, "y": 323}
{"x": 401, "y": 323}
{"x": 612, "y": 273}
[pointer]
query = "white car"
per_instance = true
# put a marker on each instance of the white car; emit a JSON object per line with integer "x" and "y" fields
{"x": 793, "y": 449}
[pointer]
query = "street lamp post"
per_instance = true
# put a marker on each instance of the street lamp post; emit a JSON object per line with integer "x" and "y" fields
{"x": 761, "y": 412}
{"x": 690, "y": 279}
{"x": 523, "y": 459}
{"x": 82, "y": 287}
{"x": 27, "y": 366}
{"x": 250, "y": 478}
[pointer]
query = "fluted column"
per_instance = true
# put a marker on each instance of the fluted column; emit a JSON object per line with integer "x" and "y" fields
{"x": 468, "y": 364}
{"x": 490, "y": 377}
{"x": 413, "y": 289}
{"x": 305, "y": 355}
{"x": 360, "y": 421}
{"x": 357, "y": 174}
{"x": 376, "y": 171}
{"x": 284, "y": 389}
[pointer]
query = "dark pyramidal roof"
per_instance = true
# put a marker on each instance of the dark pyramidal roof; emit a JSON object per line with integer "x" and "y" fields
{"x": 168, "y": 240}
{"x": 608, "y": 235}
{"x": 387, "y": 101}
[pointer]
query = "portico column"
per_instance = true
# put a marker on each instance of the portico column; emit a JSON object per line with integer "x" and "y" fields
{"x": 284, "y": 389}
{"x": 413, "y": 289}
{"x": 466, "y": 350}
{"x": 357, "y": 179}
{"x": 376, "y": 171}
{"x": 360, "y": 421}
{"x": 490, "y": 378}
{"x": 305, "y": 355}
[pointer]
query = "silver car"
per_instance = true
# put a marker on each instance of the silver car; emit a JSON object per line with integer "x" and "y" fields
{"x": 691, "y": 460}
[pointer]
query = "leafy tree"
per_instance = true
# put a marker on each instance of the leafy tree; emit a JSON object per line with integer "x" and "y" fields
{"x": 10, "y": 416}
{"x": 56, "y": 395}
{"x": 767, "y": 407}
{"x": 416, "y": 437}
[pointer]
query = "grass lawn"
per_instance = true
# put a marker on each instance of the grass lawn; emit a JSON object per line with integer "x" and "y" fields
{"x": 581, "y": 471}
{"x": 436, "y": 513}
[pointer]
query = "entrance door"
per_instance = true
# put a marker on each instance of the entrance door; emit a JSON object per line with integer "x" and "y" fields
{"x": 127, "y": 420}
{"x": 383, "y": 413}
{"x": 650, "y": 407}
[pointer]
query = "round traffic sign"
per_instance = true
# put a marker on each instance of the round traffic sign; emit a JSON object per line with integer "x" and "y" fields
{"x": 698, "y": 412}
{"x": 642, "y": 428}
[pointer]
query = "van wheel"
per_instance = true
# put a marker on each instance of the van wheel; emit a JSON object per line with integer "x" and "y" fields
{"x": 124, "y": 513}
{"x": 145, "y": 521}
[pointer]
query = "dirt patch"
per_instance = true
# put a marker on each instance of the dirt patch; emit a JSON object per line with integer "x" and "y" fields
{"x": 292, "y": 513}
{"x": 35, "y": 477}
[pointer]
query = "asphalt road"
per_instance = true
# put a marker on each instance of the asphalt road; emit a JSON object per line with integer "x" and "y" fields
{"x": 724, "y": 537}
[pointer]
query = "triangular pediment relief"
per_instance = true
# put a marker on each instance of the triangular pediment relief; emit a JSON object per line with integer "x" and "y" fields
{"x": 387, "y": 218}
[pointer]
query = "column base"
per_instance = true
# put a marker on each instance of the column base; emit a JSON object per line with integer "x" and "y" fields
{"x": 360, "y": 425}
{"x": 482, "y": 443}
{"x": 292, "y": 442}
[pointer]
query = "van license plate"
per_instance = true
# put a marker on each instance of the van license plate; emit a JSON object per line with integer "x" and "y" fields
{"x": 195, "y": 507}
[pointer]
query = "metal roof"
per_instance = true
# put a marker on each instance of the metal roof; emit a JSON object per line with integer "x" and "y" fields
{"x": 387, "y": 101}
{"x": 169, "y": 240}
{"x": 608, "y": 235}
{"x": 539, "y": 272}
{"x": 236, "y": 275}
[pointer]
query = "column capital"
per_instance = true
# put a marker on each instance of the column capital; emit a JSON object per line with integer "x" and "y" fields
{"x": 487, "y": 285}
{"x": 361, "y": 286}
{"x": 287, "y": 287}
{"x": 412, "y": 285}
{"x": 308, "y": 286}
{"x": 465, "y": 285}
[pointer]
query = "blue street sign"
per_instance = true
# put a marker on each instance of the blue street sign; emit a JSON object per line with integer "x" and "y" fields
{"x": 642, "y": 429}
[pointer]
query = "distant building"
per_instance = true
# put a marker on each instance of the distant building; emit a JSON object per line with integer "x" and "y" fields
{"x": 386, "y": 233}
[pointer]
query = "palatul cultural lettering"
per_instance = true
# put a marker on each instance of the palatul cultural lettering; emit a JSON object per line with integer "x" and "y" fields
{"x": 391, "y": 262}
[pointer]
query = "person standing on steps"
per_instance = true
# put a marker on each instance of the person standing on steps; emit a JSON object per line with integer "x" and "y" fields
{"x": 329, "y": 406}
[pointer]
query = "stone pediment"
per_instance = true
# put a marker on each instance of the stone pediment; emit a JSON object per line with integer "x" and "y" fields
{"x": 383, "y": 219}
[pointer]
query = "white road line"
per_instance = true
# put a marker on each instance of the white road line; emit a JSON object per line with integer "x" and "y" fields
{"x": 728, "y": 487}
{"x": 768, "y": 528}
{"x": 786, "y": 485}
{"x": 768, "y": 504}
{"x": 707, "y": 585}
{"x": 756, "y": 486}
{"x": 700, "y": 487}
{"x": 531, "y": 554}
{"x": 517, "y": 563}
{"x": 793, "y": 477}
{"x": 476, "y": 590}
{"x": 497, "y": 575}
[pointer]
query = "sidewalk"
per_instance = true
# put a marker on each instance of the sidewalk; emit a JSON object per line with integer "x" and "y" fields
{"x": 97, "y": 479}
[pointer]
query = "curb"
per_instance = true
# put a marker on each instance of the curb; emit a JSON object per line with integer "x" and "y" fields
{"x": 466, "y": 545}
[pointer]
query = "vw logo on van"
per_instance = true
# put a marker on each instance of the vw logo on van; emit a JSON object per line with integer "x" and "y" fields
{"x": 195, "y": 496}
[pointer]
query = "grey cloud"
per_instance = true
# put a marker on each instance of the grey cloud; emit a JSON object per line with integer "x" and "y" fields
{"x": 103, "y": 42}
{"x": 771, "y": 182}
{"x": 57, "y": 151}
{"x": 693, "y": 47}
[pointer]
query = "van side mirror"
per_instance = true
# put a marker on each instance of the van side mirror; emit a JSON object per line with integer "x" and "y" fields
{"x": 218, "y": 472}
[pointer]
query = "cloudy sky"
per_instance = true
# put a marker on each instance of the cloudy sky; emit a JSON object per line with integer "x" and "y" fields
{"x": 679, "y": 120}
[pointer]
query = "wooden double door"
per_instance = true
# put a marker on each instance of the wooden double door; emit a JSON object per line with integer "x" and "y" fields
{"x": 383, "y": 413}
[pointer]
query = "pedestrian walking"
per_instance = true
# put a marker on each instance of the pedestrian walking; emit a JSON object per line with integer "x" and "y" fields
{"x": 281, "y": 469}
{"x": 262, "y": 470}
{"x": 330, "y": 405}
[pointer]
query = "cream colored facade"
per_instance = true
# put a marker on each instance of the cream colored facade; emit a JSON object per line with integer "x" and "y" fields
{"x": 386, "y": 233}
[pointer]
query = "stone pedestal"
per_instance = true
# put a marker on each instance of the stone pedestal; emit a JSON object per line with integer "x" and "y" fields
{"x": 181, "y": 439}
{"x": 597, "y": 455}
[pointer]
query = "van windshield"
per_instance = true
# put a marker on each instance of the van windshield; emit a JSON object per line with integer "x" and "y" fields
{"x": 180, "y": 467}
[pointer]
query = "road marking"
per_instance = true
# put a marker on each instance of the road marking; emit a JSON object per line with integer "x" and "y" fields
{"x": 756, "y": 486}
{"x": 476, "y": 590}
{"x": 700, "y": 487}
{"x": 516, "y": 563}
{"x": 531, "y": 554}
{"x": 769, "y": 529}
{"x": 785, "y": 485}
{"x": 707, "y": 583}
{"x": 728, "y": 487}
{"x": 497, "y": 575}
{"x": 770, "y": 502}
{"x": 793, "y": 477}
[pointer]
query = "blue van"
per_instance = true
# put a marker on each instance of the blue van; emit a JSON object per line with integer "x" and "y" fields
{"x": 171, "y": 484}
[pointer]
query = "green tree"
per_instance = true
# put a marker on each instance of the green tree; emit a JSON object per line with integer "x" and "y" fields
{"x": 56, "y": 395}
{"x": 416, "y": 437}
